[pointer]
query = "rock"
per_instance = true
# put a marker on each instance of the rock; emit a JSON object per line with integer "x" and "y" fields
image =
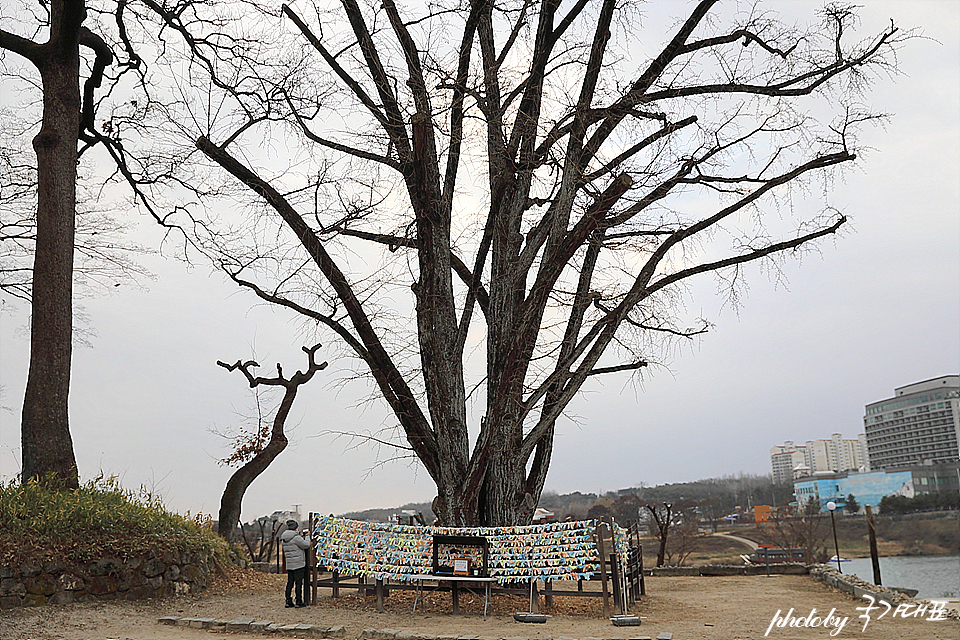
{"x": 130, "y": 579}
{"x": 70, "y": 582}
{"x": 260, "y": 626}
{"x": 153, "y": 567}
{"x": 141, "y": 592}
{"x": 63, "y": 597}
{"x": 34, "y": 600}
{"x": 205, "y": 622}
{"x": 102, "y": 585}
{"x": 190, "y": 573}
{"x": 43, "y": 584}
{"x": 240, "y": 624}
{"x": 104, "y": 566}
{"x": 12, "y": 587}
{"x": 54, "y": 566}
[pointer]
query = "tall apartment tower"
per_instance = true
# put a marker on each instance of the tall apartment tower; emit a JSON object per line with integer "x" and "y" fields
{"x": 836, "y": 454}
{"x": 784, "y": 459}
{"x": 919, "y": 424}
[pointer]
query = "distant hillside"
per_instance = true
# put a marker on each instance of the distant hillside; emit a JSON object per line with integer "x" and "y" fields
{"x": 386, "y": 514}
{"x": 725, "y": 494}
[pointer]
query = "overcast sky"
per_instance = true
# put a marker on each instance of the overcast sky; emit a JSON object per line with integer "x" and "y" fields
{"x": 878, "y": 308}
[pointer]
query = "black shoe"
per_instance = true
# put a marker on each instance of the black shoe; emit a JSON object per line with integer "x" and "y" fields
{"x": 289, "y": 605}
{"x": 300, "y": 605}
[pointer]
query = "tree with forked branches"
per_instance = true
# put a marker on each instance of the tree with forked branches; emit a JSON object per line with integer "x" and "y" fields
{"x": 524, "y": 180}
{"x": 255, "y": 452}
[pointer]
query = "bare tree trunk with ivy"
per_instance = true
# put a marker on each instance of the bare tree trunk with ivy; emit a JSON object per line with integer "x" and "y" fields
{"x": 259, "y": 451}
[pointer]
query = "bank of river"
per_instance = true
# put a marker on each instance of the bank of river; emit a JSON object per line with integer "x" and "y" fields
{"x": 933, "y": 576}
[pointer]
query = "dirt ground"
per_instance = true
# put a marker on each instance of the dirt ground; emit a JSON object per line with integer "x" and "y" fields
{"x": 690, "y": 608}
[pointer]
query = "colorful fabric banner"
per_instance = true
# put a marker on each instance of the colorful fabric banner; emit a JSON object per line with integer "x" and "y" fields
{"x": 552, "y": 551}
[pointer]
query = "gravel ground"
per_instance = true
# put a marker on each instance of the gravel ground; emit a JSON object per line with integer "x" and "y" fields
{"x": 710, "y": 608}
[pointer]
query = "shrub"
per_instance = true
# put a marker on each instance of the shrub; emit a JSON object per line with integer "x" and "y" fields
{"x": 39, "y": 521}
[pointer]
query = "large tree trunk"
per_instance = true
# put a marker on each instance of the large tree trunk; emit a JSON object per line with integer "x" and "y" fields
{"x": 45, "y": 432}
{"x": 242, "y": 478}
{"x": 240, "y": 481}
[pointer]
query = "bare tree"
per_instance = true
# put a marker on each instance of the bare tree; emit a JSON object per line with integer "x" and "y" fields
{"x": 502, "y": 174}
{"x": 806, "y": 529}
{"x": 662, "y": 515}
{"x": 53, "y": 249}
{"x": 261, "y": 537}
{"x": 47, "y": 447}
{"x": 103, "y": 256}
{"x": 257, "y": 452}
{"x": 685, "y": 535}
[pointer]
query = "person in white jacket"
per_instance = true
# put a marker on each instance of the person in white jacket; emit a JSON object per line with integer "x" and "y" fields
{"x": 295, "y": 555}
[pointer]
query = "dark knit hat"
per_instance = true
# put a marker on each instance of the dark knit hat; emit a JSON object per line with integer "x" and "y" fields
{"x": 291, "y": 524}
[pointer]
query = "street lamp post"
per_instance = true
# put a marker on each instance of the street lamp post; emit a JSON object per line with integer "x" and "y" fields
{"x": 831, "y": 507}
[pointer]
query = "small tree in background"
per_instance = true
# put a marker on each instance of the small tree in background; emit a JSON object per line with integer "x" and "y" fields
{"x": 851, "y": 506}
{"x": 685, "y": 534}
{"x": 806, "y": 529}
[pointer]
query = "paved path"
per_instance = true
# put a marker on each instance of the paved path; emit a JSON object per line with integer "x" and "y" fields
{"x": 750, "y": 543}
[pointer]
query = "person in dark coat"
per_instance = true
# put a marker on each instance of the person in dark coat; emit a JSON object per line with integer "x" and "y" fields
{"x": 295, "y": 554}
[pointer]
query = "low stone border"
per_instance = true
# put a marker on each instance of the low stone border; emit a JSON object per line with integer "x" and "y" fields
{"x": 257, "y": 626}
{"x": 853, "y": 585}
{"x": 266, "y": 627}
{"x": 858, "y": 588}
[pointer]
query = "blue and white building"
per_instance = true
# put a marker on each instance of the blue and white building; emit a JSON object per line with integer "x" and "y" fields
{"x": 871, "y": 487}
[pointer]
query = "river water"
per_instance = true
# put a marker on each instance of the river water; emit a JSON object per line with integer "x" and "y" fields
{"x": 934, "y": 576}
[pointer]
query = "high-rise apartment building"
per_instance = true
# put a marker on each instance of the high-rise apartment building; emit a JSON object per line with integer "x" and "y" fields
{"x": 784, "y": 460}
{"x": 920, "y": 424}
{"x": 790, "y": 461}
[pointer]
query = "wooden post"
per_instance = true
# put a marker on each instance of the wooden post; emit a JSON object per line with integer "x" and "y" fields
{"x": 603, "y": 571}
{"x": 455, "y": 596}
{"x": 534, "y": 596}
{"x": 874, "y": 556}
{"x": 643, "y": 584}
{"x": 311, "y": 586}
{"x": 380, "y": 608}
{"x": 548, "y": 594}
{"x": 336, "y": 584}
{"x": 617, "y": 587}
{"x": 639, "y": 587}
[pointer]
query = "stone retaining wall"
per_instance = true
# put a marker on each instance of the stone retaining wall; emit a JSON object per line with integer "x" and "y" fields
{"x": 854, "y": 585}
{"x": 110, "y": 578}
